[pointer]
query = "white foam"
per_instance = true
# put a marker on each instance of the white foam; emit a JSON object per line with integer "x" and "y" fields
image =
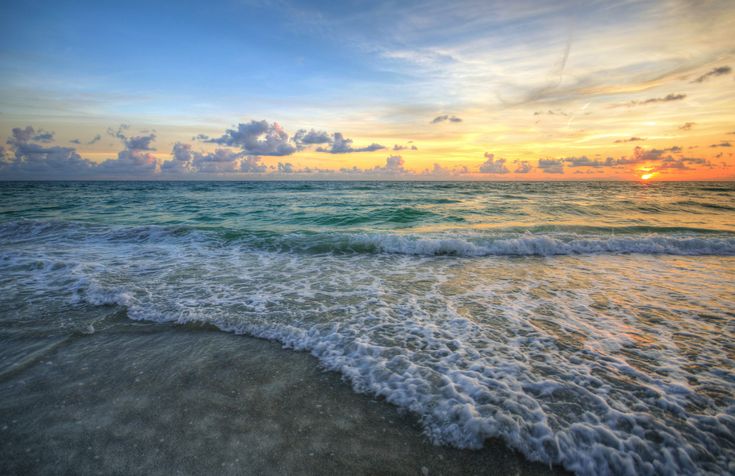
{"x": 605, "y": 364}
{"x": 547, "y": 245}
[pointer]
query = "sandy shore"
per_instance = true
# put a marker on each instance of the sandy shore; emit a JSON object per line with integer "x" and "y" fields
{"x": 139, "y": 398}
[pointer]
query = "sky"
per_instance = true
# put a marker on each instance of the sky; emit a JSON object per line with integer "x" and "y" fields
{"x": 461, "y": 90}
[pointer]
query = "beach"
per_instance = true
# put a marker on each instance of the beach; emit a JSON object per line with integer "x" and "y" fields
{"x": 367, "y": 327}
{"x": 146, "y": 398}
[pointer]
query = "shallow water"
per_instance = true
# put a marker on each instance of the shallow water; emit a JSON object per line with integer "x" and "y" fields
{"x": 585, "y": 324}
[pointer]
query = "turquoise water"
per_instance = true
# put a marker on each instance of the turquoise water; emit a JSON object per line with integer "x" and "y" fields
{"x": 585, "y": 324}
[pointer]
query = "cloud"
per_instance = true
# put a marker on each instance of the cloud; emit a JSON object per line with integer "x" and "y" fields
{"x": 445, "y": 118}
{"x": 687, "y": 126}
{"x": 722, "y": 144}
{"x": 551, "y": 166}
{"x": 304, "y": 137}
{"x": 221, "y": 161}
{"x": 182, "y": 161}
{"x": 585, "y": 161}
{"x": 135, "y": 159}
{"x": 257, "y": 138}
{"x": 523, "y": 167}
{"x": 342, "y": 145}
{"x": 667, "y": 98}
{"x": 32, "y": 160}
{"x": 438, "y": 171}
{"x": 262, "y": 138}
{"x": 551, "y": 113}
{"x": 141, "y": 142}
{"x": 27, "y": 134}
{"x": 632, "y": 139}
{"x": 398, "y": 147}
{"x": 393, "y": 164}
{"x": 44, "y": 136}
{"x": 286, "y": 168}
{"x": 683, "y": 163}
{"x": 720, "y": 71}
{"x": 95, "y": 139}
{"x": 493, "y": 166}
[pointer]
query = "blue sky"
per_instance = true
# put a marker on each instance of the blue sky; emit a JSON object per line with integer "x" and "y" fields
{"x": 529, "y": 80}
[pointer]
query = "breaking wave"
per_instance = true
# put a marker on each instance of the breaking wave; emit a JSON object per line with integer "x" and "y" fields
{"x": 541, "y": 241}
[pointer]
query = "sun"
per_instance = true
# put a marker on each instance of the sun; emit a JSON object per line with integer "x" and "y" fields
{"x": 647, "y": 176}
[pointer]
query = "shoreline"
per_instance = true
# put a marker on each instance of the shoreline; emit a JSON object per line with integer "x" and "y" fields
{"x": 149, "y": 398}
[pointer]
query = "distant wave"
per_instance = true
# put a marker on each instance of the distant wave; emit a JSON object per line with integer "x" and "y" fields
{"x": 547, "y": 245}
{"x": 539, "y": 241}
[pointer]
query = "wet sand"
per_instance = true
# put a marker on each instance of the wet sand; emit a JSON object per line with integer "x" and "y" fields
{"x": 141, "y": 398}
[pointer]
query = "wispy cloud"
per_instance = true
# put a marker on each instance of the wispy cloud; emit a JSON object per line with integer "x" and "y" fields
{"x": 720, "y": 71}
{"x": 632, "y": 139}
{"x": 668, "y": 98}
{"x": 445, "y": 118}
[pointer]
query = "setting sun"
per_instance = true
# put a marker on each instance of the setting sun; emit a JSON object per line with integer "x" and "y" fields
{"x": 648, "y": 176}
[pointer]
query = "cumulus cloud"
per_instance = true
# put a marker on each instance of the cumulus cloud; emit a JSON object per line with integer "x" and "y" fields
{"x": 342, "y": 145}
{"x": 394, "y": 164}
{"x": 720, "y": 71}
{"x": 551, "y": 166}
{"x": 221, "y": 161}
{"x": 135, "y": 159}
{"x": 182, "y": 160}
{"x": 438, "y": 171}
{"x": 632, "y": 139}
{"x": 304, "y": 137}
{"x": 285, "y": 168}
{"x": 43, "y": 136}
{"x": 257, "y": 138}
{"x": 493, "y": 166}
{"x": 722, "y": 144}
{"x": 682, "y": 163}
{"x": 445, "y": 118}
{"x": 398, "y": 147}
{"x": 30, "y": 159}
{"x": 262, "y": 138}
{"x": 585, "y": 161}
{"x": 657, "y": 160}
{"x": 522, "y": 167}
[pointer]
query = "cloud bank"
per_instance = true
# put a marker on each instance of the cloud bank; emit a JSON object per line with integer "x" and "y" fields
{"x": 240, "y": 150}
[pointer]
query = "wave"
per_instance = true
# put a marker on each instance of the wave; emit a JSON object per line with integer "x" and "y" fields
{"x": 454, "y": 395}
{"x": 524, "y": 352}
{"x": 537, "y": 241}
{"x": 544, "y": 245}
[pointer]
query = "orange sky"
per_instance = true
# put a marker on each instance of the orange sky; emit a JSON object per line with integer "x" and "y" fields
{"x": 476, "y": 91}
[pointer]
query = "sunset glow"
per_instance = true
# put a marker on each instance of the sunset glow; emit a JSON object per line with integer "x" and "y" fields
{"x": 468, "y": 91}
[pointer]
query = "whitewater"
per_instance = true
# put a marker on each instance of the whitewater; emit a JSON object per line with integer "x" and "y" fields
{"x": 589, "y": 325}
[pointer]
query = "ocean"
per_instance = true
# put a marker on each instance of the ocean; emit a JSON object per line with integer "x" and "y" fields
{"x": 588, "y": 325}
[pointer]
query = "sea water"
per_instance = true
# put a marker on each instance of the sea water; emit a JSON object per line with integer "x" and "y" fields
{"x": 590, "y": 325}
